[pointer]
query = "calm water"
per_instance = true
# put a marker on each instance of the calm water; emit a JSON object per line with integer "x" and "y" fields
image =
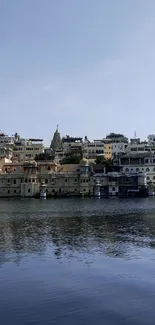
{"x": 77, "y": 261}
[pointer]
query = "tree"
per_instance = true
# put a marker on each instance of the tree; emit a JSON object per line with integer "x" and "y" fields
{"x": 102, "y": 160}
{"x": 44, "y": 157}
{"x": 71, "y": 158}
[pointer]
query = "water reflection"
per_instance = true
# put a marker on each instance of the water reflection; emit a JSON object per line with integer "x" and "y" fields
{"x": 119, "y": 235}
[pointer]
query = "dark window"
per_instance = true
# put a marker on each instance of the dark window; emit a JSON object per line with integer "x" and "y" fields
{"x": 113, "y": 188}
{"x": 66, "y": 180}
{"x": 146, "y": 161}
{"x": 29, "y": 190}
{"x": 21, "y": 180}
{"x": 46, "y": 181}
{"x": 84, "y": 190}
{"x": 83, "y": 180}
{"x": 29, "y": 180}
{"x": 8, "y": 191}
{"x": 14, "y": 182}
{"x": 147, "y": 169}
{"x": 25, "y": 180}
{"x": 14, "y": 191}
{"x": 49, "y": 168}
{"x": 53, "y": 191}
{"x": 33, "y": 180}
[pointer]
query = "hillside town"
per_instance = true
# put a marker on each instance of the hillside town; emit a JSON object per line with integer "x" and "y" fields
{"x": 76, "y": 166}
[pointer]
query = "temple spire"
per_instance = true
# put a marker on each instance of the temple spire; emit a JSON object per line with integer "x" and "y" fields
{"x": 56, "y": 141}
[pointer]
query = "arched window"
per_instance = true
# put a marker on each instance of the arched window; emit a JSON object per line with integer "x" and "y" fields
{"x": 29, "y": 190}
{"x": 46, "y": 180}
{"x": 137, "y": 169}
{"x": 148, "y": 178}
{"x": 147, "y": 169}
{"x": 127, "y": 170}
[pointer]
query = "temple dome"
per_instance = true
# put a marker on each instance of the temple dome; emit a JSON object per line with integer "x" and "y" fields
{"x": 84, "y": 162}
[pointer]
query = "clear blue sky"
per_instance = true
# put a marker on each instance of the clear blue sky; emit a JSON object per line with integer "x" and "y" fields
{"x": 87, "y": 65}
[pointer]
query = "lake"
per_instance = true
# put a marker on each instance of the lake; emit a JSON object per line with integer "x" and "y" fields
{"x": 77, "y": 261}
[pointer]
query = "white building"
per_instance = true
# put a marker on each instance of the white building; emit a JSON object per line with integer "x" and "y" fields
{"x": 93, "y": 149}
{"x": 27, "y": 149}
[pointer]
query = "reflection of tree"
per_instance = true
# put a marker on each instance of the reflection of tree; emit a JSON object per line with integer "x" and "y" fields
{"x": 111, "y": 235}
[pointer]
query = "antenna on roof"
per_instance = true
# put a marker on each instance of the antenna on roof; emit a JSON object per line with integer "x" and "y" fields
{"x": 135, "y": 135}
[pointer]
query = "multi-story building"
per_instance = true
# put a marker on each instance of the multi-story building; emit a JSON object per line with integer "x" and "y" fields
{"x": 151, "y": 139}
{"x": 143, "y": 162}
{"x": 118, "y": 144}
{"x": 25, "y": 179}
{"x": 93, "y": 149}
{"x": 6, "y": 140}
{"x": 107, "y": 149}
{"x": 27, "y": 149}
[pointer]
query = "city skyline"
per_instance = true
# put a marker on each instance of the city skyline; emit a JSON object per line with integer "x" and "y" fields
{"x": 87, "y": 66}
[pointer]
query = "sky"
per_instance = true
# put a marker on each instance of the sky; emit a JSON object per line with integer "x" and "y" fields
{"x": 86, "y": 65}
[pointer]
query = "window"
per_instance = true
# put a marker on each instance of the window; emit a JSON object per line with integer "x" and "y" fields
{"x": 84, "y": 180}
{"x": 146, "y": 161}
{"x": 29, "y": 190}
{"x": 148, "y": 178}
{"x": 8, "y": 181}
{"x": 14, "y": 182}
{"x": 66, "y": 180}
{"x": 153, "y": 177}
{"x": 127, "y": 170}
{"x": 113, "y": 188}
{"x": 53, "y": 191}
{"x": 33, "y": 180}
{"x": 75, "y": 180}
{"x": 14, "y": 191}
{"x": 84, "y": 190}
{"x": 25, "y": 180}
{"x": 46, "y": 181}
{"x": 154, "y": 169}
{"x": 8, "y": 191}
{"x": 49, "y": 168}
{"x": 29, "y": 180}
{"x": 87, "y": 180}
{"x": 21, "y": 180}
{"x": 147, "y": 169}
{"x": 137, "y": 169}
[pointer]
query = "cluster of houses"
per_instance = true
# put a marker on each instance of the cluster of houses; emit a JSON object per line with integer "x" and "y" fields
{"x": 112, "y": 166}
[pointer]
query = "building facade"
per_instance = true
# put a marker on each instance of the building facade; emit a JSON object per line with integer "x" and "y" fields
{"x": 25, "y": 150}
{"x": 24, "y": 179}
